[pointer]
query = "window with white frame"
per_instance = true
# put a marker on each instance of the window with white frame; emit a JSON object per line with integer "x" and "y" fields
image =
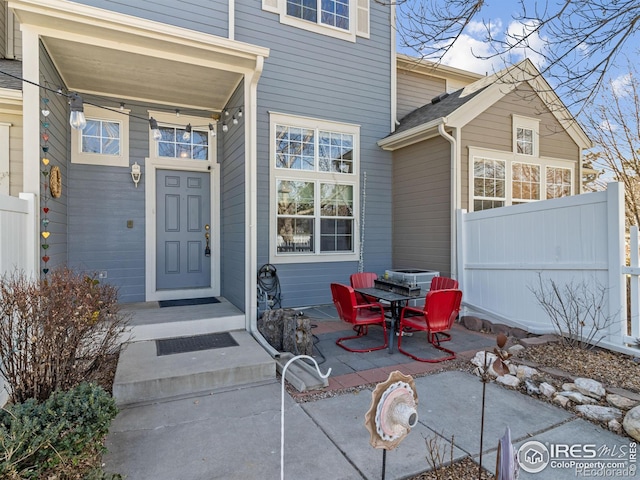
{"x": 104, "y": 140}
{"x": 558, "y": 182}
{"x": 525, "y": 182}
{"x": 525, "y": 135}
{"x": 500, "y": 178}
{"x": 344, "y": 19}
{"x": 177, "y": 142}
{"x": 315, "y": 186}
{"x": 489, "y": 178}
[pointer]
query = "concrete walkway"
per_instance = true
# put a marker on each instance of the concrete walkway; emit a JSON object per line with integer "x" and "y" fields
{"x": 235, "y": 434}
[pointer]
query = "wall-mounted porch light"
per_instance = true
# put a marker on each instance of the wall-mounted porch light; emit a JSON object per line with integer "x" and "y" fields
{"x": 135, "y": 173}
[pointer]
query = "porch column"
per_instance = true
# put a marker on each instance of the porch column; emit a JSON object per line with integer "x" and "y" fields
{"x": 31, "y": 125}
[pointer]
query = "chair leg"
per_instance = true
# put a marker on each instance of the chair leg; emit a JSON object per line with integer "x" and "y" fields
{"x": 361, "y": 331}
{"x": 451, "y": 356}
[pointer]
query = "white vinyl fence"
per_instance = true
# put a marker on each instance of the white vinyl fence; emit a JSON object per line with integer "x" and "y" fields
{"x": 18, "y": 234}
{"x": 18, "y": 237}
{"x": 504, "y": 253}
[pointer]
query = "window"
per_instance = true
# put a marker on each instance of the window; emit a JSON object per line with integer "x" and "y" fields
{"x": 500, "y": 178}
{"x": 314, "y": 179}
{"x": 343, "y": 19}
{"x": 525, "y": 182}
{"x": 334, "y": 13}
{"x": 177, "y": 143}
{"x": 105, "y": 139}
{"x": 558, "y": 182}
{"x": 488, "y": 183}
{"x": 525, "y": 135}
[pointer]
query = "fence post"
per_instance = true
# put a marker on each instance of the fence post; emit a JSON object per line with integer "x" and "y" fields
{"x": 616, "y": 259}
{"x": 634, "y": 296}
{"x": 460, "y": 247}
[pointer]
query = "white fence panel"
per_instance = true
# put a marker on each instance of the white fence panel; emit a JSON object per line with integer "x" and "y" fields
{"x": 504, "y": 252}
{"x": 18, "y": 234}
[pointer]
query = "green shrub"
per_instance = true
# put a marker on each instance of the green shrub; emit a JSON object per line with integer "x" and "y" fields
{"x": 62, "y": 435}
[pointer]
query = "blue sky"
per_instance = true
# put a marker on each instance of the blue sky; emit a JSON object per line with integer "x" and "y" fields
{"x": 499, "y": 14}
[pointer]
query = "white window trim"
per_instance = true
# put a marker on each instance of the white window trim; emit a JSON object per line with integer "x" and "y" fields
{"x": 509, "y": 158}
{"x": 97, "y": 113}
{"x": 532, "y": 124}
{"x": 276, "y": 174}
{"x": 171, "y": 120}
{"x": 355, "y": 11}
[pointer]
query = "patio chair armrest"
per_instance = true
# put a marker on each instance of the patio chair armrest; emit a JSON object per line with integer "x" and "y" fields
{"x": 419, "y": 311}
{"x": 371, "y": 305}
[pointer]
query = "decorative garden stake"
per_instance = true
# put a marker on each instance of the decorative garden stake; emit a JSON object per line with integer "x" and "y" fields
{"x": 284, "y": 373}
{"x": 500, "y": 368}
{"x": 392, "y": 413}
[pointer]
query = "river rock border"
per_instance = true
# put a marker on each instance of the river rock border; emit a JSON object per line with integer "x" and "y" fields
{"x": 614, "y": 408}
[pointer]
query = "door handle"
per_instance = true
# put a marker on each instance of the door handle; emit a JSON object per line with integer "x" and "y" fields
{"x": 207, "y": 236}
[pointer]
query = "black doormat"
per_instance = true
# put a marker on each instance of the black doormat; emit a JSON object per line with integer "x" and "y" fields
{"x": 169, "y": 346}
{"x": 188, "y": 301}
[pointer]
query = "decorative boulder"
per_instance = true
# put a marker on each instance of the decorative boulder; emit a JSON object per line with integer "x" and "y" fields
{"x": 620, "y": 401}
{"x": 523, "y": 372}
{"x": 631, "y": 423}
{"x": 577, "y": 397}
{"x": 547, "y": 390}
{"x": 590, "y": 387}
{"x": 508, "y": 380}
{"x": 598, "y": 413}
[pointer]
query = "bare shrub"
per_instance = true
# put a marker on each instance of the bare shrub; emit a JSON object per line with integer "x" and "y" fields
{"x": 436, "y": 456}
{"x": 576, "y": 309}
{"x": 56, "y": 332}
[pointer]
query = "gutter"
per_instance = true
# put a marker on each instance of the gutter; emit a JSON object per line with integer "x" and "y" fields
{"x": 455, "y": 194}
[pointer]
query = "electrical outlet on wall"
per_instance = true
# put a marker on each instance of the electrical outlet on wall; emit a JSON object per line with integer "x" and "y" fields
{"x": 102, "y": 274}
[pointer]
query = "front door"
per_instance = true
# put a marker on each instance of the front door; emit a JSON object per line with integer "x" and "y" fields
{"x": 183, "y": 202}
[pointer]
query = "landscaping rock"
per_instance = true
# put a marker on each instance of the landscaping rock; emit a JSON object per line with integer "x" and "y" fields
{"x": 479, "y": 361}
{"x": 515, "y": 349}
{"x": 518, "y": 333}
{"x": 547, "y": 390}
{"x": 508, "y": 380}
{"x": 561, "y": 400}
{"x": 541, "y": 340}
{"x": 590, "y": 387}
{"x": 569, "y": 387}
{"x": 472, "y": 323}
{"x": 615, "y": 426}
{"x": 577, "y": 397}
{"x": 523, "y": 372}
{"x": 532, "y": 388}
{"x": 497, "y": 328}
{"x": 631, "y": 423}
{"x": 599, "y": 413}
{"x": 621, "y": 402}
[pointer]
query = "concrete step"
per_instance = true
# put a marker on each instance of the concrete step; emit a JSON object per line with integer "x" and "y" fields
{"x": 142, "y": 376}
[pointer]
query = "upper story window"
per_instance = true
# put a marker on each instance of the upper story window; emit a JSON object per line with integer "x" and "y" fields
{"x": 334, "y": 13}
{"x": 105, "y": 139}
{"x": 177, "y": 142}
{"x": 525, "y": 135}
{"x": 315, "y": 187}
{"x": 343, "y": 19}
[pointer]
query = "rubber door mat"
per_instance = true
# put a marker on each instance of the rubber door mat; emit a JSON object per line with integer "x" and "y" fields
{"x": 210, "y": 341}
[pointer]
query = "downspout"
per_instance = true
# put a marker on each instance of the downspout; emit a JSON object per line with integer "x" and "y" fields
{"x": 251, "y": 168}
{"x": 394, "y": 70}
{"x": 455, "y": 195}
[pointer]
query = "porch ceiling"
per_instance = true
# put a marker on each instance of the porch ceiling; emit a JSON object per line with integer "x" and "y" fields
{"x": 107, "y": 53}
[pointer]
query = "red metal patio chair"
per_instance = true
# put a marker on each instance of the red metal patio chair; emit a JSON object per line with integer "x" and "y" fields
{"x": 443, "y": 283}
{"x": 363, "y": 280}
{"x": 440, "y": 310}
{"x": 360, "y": 315}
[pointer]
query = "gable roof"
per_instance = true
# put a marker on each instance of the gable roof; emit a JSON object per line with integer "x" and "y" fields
{"x": 462, "y": 106}
{"x": 13, "y": 67}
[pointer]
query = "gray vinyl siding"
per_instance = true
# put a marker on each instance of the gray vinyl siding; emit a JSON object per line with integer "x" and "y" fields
{"x": 3, "y": 29}
{"x": 317, "y": 76}
{"x": 422, "y": 206}
{"x": 100, "y": 203}
{"x": 59, "y": 131}
{"x": 205, "y": 16}
{"x": 494, "y": 129}
{"x": 15, "y": 152}
{"x": 415, "y": 90}
{"x": 232, "y": 208}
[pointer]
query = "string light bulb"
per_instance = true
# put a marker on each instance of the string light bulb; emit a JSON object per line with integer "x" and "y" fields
{"x": 177, "y": 112}
{"x": 77, "y": 119}
{"x": 226, "y": 112}
{"x": 212, "y": 130}
{"x": 225, "y": 128}
{"x": 235, "y": 120}
{"x": 153, "y": 124}
{"x": 121, "y": 106}
{"x": 239, "y": 114}
{"x": 187, "y": 133}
